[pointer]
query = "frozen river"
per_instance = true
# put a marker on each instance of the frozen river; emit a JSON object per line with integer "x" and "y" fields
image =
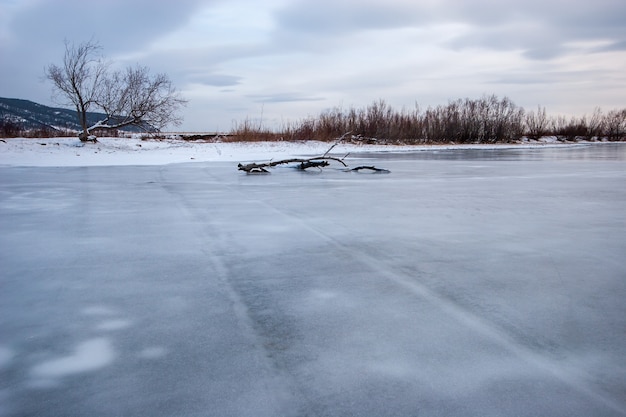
{"x": 463, "y": 283}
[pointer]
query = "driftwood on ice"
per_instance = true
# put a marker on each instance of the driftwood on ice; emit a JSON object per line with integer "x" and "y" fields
{"x": 305, "y": 163}
{"x": 316, "y": 162}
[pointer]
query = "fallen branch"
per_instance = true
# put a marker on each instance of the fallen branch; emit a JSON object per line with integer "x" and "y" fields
{"x": 371, "y": 168}
{"x": 305, "y": 163}
{"x": 312, "y": 164}
{"x": 316, "y": 162}
{"x": 253, "y": 168}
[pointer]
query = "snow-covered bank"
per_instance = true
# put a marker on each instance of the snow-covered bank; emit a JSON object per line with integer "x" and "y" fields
{"x": 125, "y": 151}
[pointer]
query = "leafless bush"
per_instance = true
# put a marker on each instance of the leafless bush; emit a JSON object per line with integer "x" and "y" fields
{"x": 611, "y": 126}
{"x": 9, "y": 129}
{"x": 248, "y": 131}
{"x": 569, "y": 129}
{"x": 615, "y": 125}
{"x": 486, "y": 120}
{"x": 536, "y": 123}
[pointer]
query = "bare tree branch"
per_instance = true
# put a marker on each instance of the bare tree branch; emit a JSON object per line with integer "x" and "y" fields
{"x": 336, "y": 143}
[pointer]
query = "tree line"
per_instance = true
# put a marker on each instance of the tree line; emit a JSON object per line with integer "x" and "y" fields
{"x": 489, "y": 119}
{"x": 485, "y": 120}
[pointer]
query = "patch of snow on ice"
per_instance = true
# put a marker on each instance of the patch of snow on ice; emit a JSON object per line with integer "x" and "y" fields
{"x": 88, "y": 356}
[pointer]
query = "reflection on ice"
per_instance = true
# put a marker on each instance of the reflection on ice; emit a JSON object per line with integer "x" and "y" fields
{"x": 154, "y": 352}
{"x": 98, "y": 310}
{"x": 5, "y": 356}
{"x": 114, "y": 324}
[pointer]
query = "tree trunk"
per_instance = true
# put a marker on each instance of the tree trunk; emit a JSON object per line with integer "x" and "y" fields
{"x": 84, "y": 136}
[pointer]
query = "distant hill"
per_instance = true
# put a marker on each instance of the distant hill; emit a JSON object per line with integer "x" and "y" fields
{"x": 30, "y": 115}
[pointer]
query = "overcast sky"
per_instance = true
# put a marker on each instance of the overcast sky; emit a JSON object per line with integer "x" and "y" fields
{"x": 283, "y": 60}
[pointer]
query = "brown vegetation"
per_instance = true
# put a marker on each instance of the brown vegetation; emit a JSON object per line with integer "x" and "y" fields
{"x": 10, "y": 129}
{"x": 485, "y": 120}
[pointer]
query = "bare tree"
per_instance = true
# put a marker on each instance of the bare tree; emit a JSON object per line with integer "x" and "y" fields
{"x": 615, "y": 124}
{"x": 129, "y": 97}
{"x": 595, "y": 124}
{"x": 536, "y": 123}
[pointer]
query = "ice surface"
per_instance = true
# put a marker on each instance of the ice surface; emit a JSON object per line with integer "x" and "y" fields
{"x": 466, "y": 282}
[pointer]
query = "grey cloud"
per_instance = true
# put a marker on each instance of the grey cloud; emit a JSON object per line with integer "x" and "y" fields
{"x": 541, "y": 28}
{"x": 134, "y": 22}
{"x": 615, "y": 46}
{"x": 328, "y": 18}
{"x": 521, "y": 80}
{"x": 536, "y": 43}
{"x": 550, "y": 77}
{"x": 282, "y": 98}
{"x": 544, "y": 53}
{"x": 192, "y": 64}
{"x": 575, "y": 16}
{"x": 217, "y": 80}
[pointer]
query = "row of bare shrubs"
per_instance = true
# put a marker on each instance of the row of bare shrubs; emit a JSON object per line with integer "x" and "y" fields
{"x": 485, "y": 120}
{"x": 250, "y": 131}
{"x": 610, "y": 126}
{"x": 11, "y": 129}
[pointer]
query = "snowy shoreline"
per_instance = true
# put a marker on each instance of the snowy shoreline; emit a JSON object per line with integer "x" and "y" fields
{"x": 69, "y": 151}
